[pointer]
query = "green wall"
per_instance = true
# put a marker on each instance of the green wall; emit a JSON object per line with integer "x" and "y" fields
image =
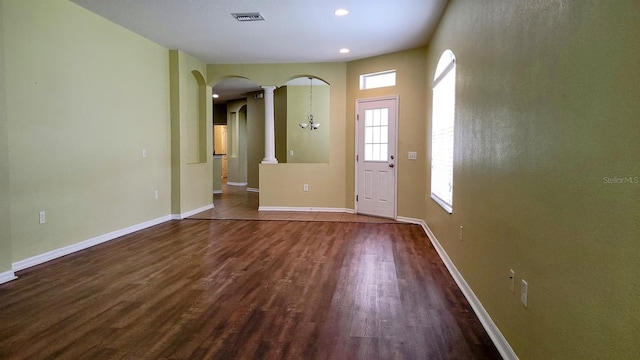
{"x": 80, "y": 112}
{"x": 280, "y": 123}
{"x": 191, "y": 134}
{"x": 546, "y": 115}
{"x": 216, "y": 185}
{"x": 5, "y": 215}
{"x": 191, "y": 121}
{"x": 255, "y": 139}
{"x": 546, "y": 109}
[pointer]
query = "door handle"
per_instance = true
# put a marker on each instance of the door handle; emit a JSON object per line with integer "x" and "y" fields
{"x": 391, "y": 165}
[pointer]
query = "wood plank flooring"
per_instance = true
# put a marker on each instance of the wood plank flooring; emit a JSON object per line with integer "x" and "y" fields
{"x": 237, "y": 203}
{"x": 226, "y": 289}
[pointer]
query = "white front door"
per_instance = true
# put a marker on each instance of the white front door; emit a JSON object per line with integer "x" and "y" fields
{"x": 376, "y": 157}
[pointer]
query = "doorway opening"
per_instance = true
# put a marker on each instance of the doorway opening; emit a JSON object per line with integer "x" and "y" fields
{"x": 220, "y": 149}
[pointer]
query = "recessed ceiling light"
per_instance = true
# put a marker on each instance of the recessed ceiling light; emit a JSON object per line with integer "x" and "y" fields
{"x": 215, "y": 96}
{"x": 341, "y": 12}
{"x": 344, "y": 50}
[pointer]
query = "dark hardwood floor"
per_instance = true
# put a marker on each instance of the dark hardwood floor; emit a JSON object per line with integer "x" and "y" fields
{"x": 237, "y": 203}
{"x": 229, "y": 289}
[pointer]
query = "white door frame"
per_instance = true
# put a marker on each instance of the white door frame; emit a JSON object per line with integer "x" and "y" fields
{"x": 395, "y": 168}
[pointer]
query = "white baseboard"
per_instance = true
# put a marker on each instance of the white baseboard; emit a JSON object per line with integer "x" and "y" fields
{"x": 253, "y": 189}
{"x": 191, "y": 213}
{"x": 217, "y": 192}
{"x": 54, "y": 254}
{"x": 307, "y": 209}
{"x": 412, "y": 221}
{"x": 494, "y": 333}
{"x": 7, "y": 276}
{"x": 231, "y": 183}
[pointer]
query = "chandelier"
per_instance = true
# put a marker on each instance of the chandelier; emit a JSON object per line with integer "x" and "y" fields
{"x": 309, "y": 124}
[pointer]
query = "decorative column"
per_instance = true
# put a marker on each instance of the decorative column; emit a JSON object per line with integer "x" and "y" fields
{"x": 269, "y": 127}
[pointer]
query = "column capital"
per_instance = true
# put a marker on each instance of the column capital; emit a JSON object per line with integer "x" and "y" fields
{"x": 268, "y": 88}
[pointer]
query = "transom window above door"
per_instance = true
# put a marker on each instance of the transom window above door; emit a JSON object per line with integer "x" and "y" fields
{"x": 378, "y": 80}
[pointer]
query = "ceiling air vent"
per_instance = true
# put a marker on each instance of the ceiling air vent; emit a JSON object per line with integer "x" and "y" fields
{"x": 248, "y": 16}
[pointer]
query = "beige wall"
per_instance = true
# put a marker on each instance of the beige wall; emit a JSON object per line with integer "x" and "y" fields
{"x": 80, "y": 112}
{"x": 237, "y": 159}
{"x": 411, "y": 91}
{"x": 308, "y": 146}
{"x": 192, "y": 134}
{"x": 282, "y": 184}
{"x": 219, "y": 141}
{"x": 546, "y": 108}
{"x": 5, "y": 194}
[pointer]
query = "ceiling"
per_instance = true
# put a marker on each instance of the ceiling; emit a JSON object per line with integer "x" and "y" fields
{"x": 233, "y": 88}
{"x": 295, "y": 31}
{"x": 237, "y": 88}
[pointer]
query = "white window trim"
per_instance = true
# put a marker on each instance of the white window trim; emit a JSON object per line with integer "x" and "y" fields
{"x": 444, "y": 204}
{"x": 444, "y": 72}
{"x": 443, "y": 69}
{"x": 364, "y": 77}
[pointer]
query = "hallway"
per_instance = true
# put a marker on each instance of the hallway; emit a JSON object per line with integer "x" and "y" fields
{"x": 236, "y": 203}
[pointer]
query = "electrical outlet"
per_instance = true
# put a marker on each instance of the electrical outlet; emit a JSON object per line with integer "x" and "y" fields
{"x": 524, "y": 292}
{"x": 155, "y": 193}
{"x": 290, "y": 152}
{"x": 43, "y": 217}
{"x": 144, "y": 153}
{"x": 305, "y": 187}
{"x": 512, "y": 280}
{"x": 460, "y": 232}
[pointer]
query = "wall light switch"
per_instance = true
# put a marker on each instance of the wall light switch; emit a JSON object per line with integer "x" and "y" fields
{"x": 413, "y": 155}
{"x": 290, "y": 152}
{"x": 524, "y": 292}
{"x": 305, "y": 187}
{"x": 144, "y": 153}
{"x": 155, "y": 193}
{"x": 512, "y": 280}
{"x": 43, "y": 217}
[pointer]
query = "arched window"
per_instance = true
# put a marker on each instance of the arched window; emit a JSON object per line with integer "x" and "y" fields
{"x": 442, "y": 130}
